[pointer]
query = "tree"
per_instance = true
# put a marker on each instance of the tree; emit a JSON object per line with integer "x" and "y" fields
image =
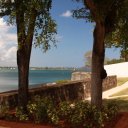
{"x": 34, "y": 24}
{"x": 105, "y": 15}
{"x": 114, "y": 61}
{"x": 88, "y": 57}
{"x": 119, "y": 38}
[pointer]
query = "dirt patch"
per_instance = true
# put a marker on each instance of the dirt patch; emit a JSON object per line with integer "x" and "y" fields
{"x": 120, "y": 122}
{"x": 10, "y": 124}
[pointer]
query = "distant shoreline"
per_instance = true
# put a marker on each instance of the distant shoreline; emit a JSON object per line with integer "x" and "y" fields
{"x": 9, "y": 78}
{"x": 40, "y": 68}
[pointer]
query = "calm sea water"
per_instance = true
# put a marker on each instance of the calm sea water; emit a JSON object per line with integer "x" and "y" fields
{"x": 9, "y": 78}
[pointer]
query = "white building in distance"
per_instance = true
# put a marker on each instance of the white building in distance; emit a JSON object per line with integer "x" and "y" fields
{"x": 119, "y": 69}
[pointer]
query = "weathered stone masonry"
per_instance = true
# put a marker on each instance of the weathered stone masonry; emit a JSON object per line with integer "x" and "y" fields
{"x": 74, "y": 90}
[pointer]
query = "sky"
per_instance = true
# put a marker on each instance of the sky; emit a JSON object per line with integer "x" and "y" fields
{"x": 75, "y": 38}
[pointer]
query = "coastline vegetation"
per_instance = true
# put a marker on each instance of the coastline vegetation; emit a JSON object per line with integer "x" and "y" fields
{"x": 64, "y": 114}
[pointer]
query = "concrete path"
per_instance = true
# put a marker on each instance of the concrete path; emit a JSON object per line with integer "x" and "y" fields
{"x": 108, "y": 93}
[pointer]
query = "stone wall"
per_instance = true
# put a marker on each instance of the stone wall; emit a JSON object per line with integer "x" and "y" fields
{"x": 61, "y": 92}
{"x": 80, "y": 76}
{"x": 74, "y": 90}
{"x": 58, "y": 92}
{"x": 108, "y": 83}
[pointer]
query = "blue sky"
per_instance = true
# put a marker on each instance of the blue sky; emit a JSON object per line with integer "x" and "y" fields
{"x": 75, "y": 39}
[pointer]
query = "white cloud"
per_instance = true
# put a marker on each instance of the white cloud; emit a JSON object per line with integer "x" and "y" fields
{"x": 2, "y": 23}
{"x": 67, "y": 14}
{"x": 59, "y": 37}
{"x": 10, "y": 54}
{"x": 8, "y": 45}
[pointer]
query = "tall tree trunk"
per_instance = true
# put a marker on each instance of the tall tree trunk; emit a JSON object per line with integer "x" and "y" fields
{"x": 25, "y": 38}
{"x": 125, "y": 53}
{"x": 22, "y": 57}
{"x": 23, "y": 72}
{"x": 98, "y": 72}
{"x": 126, "y": 57}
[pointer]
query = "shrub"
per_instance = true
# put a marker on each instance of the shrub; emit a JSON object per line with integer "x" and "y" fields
{"x": 4, "y": 108}
{"x": 20, "y": 115}
{"x": 42, "y": 110}
{"x": 82, "y": 114}
{"x": 65, "y": 109}
{"x": 111, "y": 108}
{"x": 78, "y": 114}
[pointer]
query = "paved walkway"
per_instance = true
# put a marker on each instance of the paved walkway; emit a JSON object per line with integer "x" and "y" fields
{"x": 108, "y": 93}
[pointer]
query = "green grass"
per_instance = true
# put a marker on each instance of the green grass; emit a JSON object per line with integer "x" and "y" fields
{"x": 121, "y": 102}
{"x": 62, "y": 81}
{"x": 121, "y": 80}
{"x": 123, "y": 92}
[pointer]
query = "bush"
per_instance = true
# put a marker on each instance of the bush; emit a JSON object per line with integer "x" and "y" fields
{"x": 65, "y": 110}
{"x": 42, "y": 110}
{"x": 78, "y": 114}
{"x": 4, "y": 110}
{"x": 82, "y": 114}
{"x": 111, "y": 108}
{"x": 20, "y": 115}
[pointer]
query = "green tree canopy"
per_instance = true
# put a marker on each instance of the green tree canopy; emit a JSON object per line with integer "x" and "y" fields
{"x": 106, "y": 15}
{"x": 45, "y": 26}
{"x": 34, "y": 24}
{"x": 88, "y": 59}
{"x": 119, "y": 38}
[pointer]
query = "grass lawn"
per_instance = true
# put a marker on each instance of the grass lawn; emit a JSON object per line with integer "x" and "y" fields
{"x": 121, "y": 102}
{"x": 121, "y": 80}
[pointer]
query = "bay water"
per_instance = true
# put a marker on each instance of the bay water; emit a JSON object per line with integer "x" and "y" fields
{"x": 9, "y": 77}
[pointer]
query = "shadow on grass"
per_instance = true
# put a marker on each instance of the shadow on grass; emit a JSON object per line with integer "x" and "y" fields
{"x": 121, "y": 102}
{"x": 121, "y": 80}
{"x": 121, "y": 93}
